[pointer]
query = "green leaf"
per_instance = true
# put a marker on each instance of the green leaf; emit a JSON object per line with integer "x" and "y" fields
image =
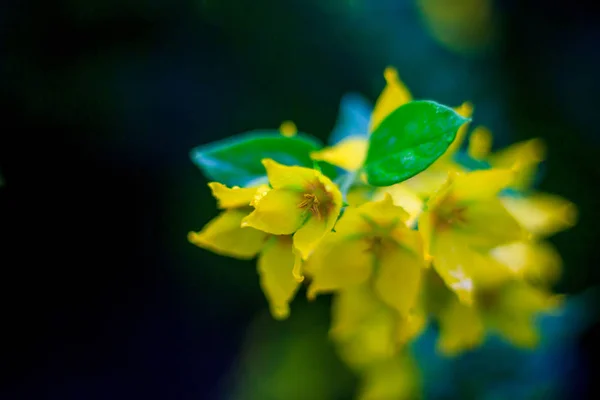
{"x": 409, "y": 140}
{"x": 236, "y": 161}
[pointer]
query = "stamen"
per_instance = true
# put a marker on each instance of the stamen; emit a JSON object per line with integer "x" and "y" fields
{"x": 311, "y": 202}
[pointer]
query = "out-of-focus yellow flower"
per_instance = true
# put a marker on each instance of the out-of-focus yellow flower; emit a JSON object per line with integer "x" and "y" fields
{"x": 536, "y": 262}
{"x": 224, "y": 235}
{"x": 363, "y": 327}
{"x": 372, "y": 245}
{"x": 523, "y": 157}
{"x": 397, "y": 378}
{"x": 288, "y": 129}
{"x": 541, "y": 214}
{"x": 460, "y": 25}
{"x": 508, "y": 309}
{"x": 302, "y": 202}
{"x": 369, "y": 337}
{"x": 463, "y": 221}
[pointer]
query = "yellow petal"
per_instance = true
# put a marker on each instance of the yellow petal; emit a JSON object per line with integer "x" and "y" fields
{"x": 425, "y": 229}
{"x": 429, "y": 181}
{"x": 464, "y": 110}
{"x": 394, "y": 95}
{"x": 361, "y": 220}
{"x": 352, "y": 222}
{"x": 277, "y": 212}
{"x": 288, "y": 129}
{"x": 398, "y": 278}
{"x": 481, "y": 184}
{"x": 488, "y": 224}
{"x": 275, "y": 265}
{"x": 480, "y": 143}
{"x": 529, "y": 152}
{"x": 403, "y": 197}
{"x": 411, "y": 326}
{"x": 397, "y": 378}
{"x": 292, "y": 177}
{"x": 460, "y": 329}
{"x": 384, "y": 211}
{"x": 538, "y": 263}
{"x": 372, "y": 343}
{"x": 522, "y": 157}
{"x": 348, "y": 154}
{"x": 359, "y": 195}
{"x": 513, "y": 314}
{"x": 408, "y": 239}
{"x": 231, "y": 197}
{"x": 350, "y": 309}
{"x": 338, "y": 264}
{"x": 464, "y": 269}
{"x": 311, "y": 233}
{"x": 224, "y": 235}
{"x": 542, "y": 214}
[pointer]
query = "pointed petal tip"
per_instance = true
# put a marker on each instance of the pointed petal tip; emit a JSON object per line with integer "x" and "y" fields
{"x": 281, "y": 312}
{"x": 390, "y": 74}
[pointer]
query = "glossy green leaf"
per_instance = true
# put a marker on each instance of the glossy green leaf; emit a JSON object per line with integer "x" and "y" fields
{"x": 409, "y": 140}
{"x": 237, "y": 161}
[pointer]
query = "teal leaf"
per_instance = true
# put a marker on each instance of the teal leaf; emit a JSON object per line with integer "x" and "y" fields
{"x": 409, "y": 140}
{"x": 236, "y": 161}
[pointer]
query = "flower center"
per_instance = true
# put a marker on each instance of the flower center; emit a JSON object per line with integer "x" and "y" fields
{"x": 311, "y": 203}
{"x": 449, "y": 214}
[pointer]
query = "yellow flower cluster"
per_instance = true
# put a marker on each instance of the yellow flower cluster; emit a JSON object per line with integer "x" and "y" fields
{"x": 462, "y": 248}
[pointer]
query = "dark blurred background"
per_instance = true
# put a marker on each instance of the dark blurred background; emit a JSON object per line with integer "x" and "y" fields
{"x": 102, "y": 297}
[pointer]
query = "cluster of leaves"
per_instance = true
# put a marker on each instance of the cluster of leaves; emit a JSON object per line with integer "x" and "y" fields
{"x": 398, "y": 222}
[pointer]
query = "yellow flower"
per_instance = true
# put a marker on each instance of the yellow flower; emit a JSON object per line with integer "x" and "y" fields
{"x": 372, "y": 245}
{"x": 523, "y": 157}
{"x": 224, "y": 235}
{"x": 303, "y": 202}
{"x": 363, "y": 328}
{"x": 541, "y": 214}
{"x": 463, "y": 221}
{"x": 288, "y": 129}
{"x": 350, "y": 153}
{"x": 397, "y": 378}
{"x": 508, "y": 310}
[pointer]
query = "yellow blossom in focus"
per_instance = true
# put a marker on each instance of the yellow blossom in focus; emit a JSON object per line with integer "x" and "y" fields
{"x": 463, "y": 221}
{"x": 302, "y": 202}
{"x": 224, "y": 235}
{"x": 371, "y": 246}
